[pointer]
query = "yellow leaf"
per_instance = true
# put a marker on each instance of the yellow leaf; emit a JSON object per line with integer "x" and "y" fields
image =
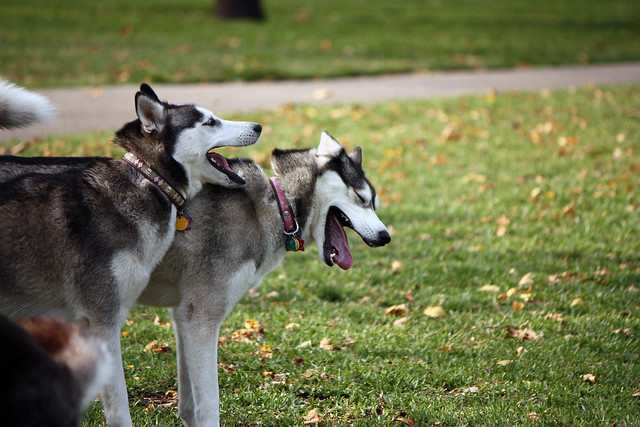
{"x": 525, "y": 281}
{"x": 511, "y": 292}
{"x": 312, "y": 417}
{"x": 490, "y": 289}
{"x": 291, "y": 326}
{"x": 504, "y": 362}
{"x": 397, "y": 266}
{"x": 590, "y": 378}
{"x": 325, "y": 344}
{"x": 517, "y": 306}
{"x": 576, "y": 302}
{"x": 520, "y": 350}
{"x": 434, "y": 311}
{"x": 527, "y": 297}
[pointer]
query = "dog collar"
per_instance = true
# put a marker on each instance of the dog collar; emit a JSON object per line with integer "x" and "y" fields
{"x": 291, "y": 228}
{"x": 174, "y": 196}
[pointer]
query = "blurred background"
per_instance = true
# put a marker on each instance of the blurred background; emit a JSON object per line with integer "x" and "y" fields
{"x": 75, "y": 43}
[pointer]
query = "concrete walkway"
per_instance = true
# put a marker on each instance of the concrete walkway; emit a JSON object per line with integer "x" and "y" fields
{"x": 108, "y": 108}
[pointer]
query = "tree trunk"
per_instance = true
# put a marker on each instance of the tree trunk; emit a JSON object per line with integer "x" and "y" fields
{"x": 238, "y": 9}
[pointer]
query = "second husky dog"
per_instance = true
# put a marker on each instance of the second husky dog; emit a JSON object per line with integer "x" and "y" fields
{"x": 81, "y": 236}
{"x": 238, "y": 236}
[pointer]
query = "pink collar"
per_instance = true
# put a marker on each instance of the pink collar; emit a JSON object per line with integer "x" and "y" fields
{"x": 291, "y": 228}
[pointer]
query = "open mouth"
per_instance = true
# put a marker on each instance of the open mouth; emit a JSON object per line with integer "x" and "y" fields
{"x": 336, "y": 246}
{"x": 220, "y": 162}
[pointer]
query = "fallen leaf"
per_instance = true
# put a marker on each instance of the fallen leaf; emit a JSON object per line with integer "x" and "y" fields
{"x": 520, "y": 350}
{"x": 401, "y": 322}
{"x": 434, "y": 311}
{"x": 533, "y": 416}
{"x": 503, "y": 362}
{"x": 406, "y": 421}
{"x": 312, "y": 417}
{"x": 576, "y": 302}
{"x": 525, "y": 281}
{"x": 273, "y": 294}
{"x": 517, "y": 306}
{"x": 291, "y": 326}
{"x": 397, "y": 310}
{"x": 397, "y": 266}
{"x": 157, "y": 347}
{"x": 524, "y": 334}
{"x": 490, "y": 289}
{"x": 569, "y": 210}
{"x": 325, "y": 344}
{"x": 321, "y": 94}
{"x": 445, "y": 348}
{"x": 589, "y": 378}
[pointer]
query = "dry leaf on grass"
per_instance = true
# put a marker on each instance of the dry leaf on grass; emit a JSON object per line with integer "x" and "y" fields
{"x": 397, "y": 310}
{"x": 490, "y": 289}
{"x": 325, "y": 344}
{"x": 589, "y": 378}
{"x": 525, "y": 281}
{"x": 312, "y": 417}
{"x": 397, "y": 266}
{"x": 524, "y": 334}
{"x": 434, "y": 311}
{"x": 157, "y": 347}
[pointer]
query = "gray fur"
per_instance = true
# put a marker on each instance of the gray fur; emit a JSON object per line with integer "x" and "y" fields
{"x": 80, "y": 237}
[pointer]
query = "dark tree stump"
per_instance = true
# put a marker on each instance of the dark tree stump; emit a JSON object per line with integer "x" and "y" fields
{"x": 238, "y": 9}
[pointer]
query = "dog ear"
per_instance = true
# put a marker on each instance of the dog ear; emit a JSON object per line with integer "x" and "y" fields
{"x": 149, "y": 109}
{"x": 356, "y": 155}
{"x": 329, "y": 146}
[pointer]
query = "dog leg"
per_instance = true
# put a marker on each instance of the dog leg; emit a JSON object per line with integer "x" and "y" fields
{"x": 186, "y": 404}
{"x": 197, "y": 335}
{"x": 114, "y": 394}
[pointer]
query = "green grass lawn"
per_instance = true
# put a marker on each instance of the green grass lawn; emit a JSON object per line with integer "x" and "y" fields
{"x": 515, "y": 221}
{"x": 74, "y": 42}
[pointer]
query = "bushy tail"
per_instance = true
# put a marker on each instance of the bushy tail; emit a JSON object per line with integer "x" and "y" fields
{"x": 20, "y": 107}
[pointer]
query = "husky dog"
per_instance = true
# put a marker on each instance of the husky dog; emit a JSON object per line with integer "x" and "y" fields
{"x": 50, "y": 371}
{"x": 20, "y": 107}
{"x": 238, "y": 236}
{"x": 81, "y": 236}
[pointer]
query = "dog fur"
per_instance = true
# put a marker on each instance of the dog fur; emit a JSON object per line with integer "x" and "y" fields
{"x": 20, "y": 107}
{"x": 81, "y": 236}
{"x": 50, "y": 371}
{"x": 237, "y": 238}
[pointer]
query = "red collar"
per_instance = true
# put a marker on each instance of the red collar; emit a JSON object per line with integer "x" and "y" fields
{"x": 291, "y": 228}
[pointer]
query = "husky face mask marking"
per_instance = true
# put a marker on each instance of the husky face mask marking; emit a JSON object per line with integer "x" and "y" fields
{"x": 197, "y": 131}
{"x": 344, "y": 198}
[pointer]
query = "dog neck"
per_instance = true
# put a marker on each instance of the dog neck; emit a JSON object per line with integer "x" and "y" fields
{"x": 156, "y": 179}
{"x": 294, "y": 242}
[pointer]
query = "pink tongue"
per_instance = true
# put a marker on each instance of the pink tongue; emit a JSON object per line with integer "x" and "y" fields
{"x": 339, "y": 241}
{"x": 220, "y": 160}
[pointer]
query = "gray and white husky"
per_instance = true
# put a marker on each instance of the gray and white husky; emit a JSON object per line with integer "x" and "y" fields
{"x": 238, "y": 236}
{"x": 81, "y": 236}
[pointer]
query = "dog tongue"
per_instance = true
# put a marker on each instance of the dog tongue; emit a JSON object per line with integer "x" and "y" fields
{"x": 220, "y": 160}
{"x": 339, "y": 241}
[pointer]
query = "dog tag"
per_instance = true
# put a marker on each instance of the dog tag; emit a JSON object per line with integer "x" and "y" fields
{"x": 294, "y": 244}
{"x": 183, "y": 223}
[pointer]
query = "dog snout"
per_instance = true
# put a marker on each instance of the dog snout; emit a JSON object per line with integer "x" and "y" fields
{"x": 257, "y": 128}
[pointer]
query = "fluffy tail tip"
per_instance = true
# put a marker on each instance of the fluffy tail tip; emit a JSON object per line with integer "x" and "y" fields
{"x": 20, "y": 107}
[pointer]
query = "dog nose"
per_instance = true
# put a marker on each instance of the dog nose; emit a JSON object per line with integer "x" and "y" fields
{"x": 384, "y": 237}
{"x": 257, "y": 128}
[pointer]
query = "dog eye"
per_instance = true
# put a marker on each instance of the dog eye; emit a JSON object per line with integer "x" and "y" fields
{"x": 362, "y": 199}
{"x": 210, "y": 122}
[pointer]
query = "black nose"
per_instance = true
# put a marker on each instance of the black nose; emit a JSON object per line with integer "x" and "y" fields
{"x": 384, "y": 237}
{"x": 257, "y": 128}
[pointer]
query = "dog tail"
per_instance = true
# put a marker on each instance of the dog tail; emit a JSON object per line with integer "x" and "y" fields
{"x": 20, "y": 107}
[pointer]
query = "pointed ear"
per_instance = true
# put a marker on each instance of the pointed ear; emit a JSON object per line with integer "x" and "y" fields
{"x": 356, "y": 155}
{"x": 328, "y": 145}
{"x": 149, "y": 109}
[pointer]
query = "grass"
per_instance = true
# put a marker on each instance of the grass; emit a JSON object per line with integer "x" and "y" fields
{"x": 535, "y": 194}
{"x": 75, "y": 43}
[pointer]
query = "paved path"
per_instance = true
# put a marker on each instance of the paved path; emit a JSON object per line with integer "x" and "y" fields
{"x": 108, "y": 108}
